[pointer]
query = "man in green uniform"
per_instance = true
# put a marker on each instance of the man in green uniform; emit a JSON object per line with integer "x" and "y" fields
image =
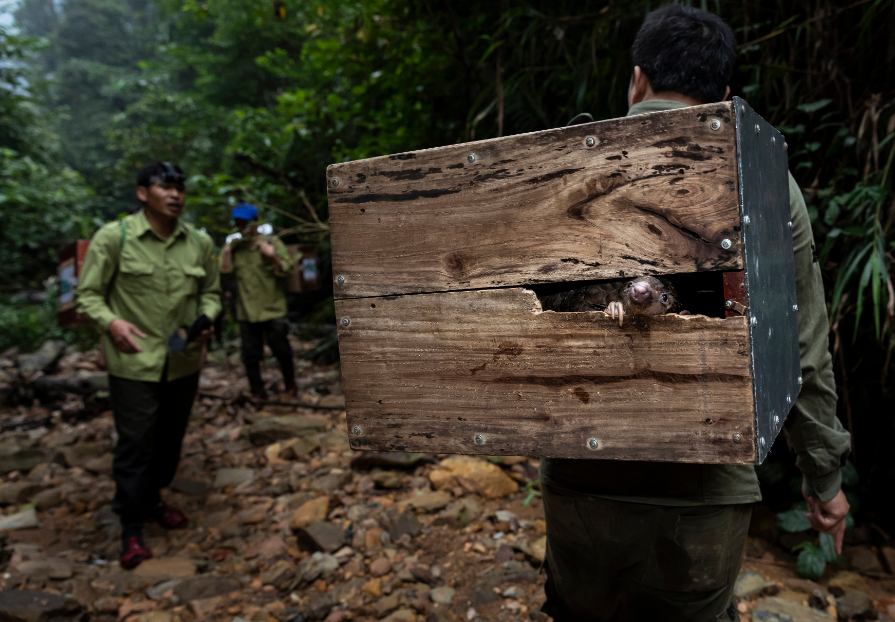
{"x": 261, "y": 267}
{"x": 143, "y": 278}
{"x": 658, "y": 541}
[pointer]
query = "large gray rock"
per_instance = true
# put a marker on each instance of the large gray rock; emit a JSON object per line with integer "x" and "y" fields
{"x": 233, "y": 477}
{"x": 205, "y": 586}
{"x": 20, "y": 520}
{"x": 855, "y": 605}
{"x": 267, "y": 430}
{"x": 332, "y": 481}
{"x": 749, "y": 583}
{"x": 315, "y": 566}
{"x": 321, "y": 536}
{"x": 43, "y": 359}
{"x": 16, "y": 493}
{"x": 32, "y": 605}
{"x": 82, "y": 454}
{"x": 775, "y": 609}
{"x": 22, "y": 459}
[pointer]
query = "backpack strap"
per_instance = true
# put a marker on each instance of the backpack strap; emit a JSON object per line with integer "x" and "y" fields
{"x": 122, "y": 224}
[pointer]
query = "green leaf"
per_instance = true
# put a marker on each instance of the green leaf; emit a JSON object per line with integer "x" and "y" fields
{"x": 811, "y": 562}
{"x": 814, "y": 107}
{"x": 849, "y": 475}
{"x": 828, "y": 546}
{"x": 793, "y": 521}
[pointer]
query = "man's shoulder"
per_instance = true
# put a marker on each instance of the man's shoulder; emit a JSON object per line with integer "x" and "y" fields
{"x": 111, "y": 231}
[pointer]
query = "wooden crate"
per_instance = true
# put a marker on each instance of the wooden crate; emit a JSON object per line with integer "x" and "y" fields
{"x": 446, "y": 349}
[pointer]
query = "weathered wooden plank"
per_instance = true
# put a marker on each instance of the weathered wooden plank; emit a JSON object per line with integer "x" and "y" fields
{"x": 430, "y": 372}
{"x": 655, "y": 194}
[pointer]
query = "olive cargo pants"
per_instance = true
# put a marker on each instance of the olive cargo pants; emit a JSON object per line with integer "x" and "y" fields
{"x": 151, "y": 419}
{"x": 252, "y": 337}
{"x": 617, "y": 561}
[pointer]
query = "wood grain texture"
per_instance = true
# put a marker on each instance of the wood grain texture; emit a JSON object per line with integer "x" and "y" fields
{"x": 656, "y": 194}
{"x": 429, "y": 372}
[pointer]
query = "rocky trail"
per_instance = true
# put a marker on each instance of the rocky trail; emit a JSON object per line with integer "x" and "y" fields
{"x": 288, "y": 524}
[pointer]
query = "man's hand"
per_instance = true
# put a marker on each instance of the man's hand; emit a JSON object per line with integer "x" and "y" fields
{"x": 122, "y": 334}
{"x": 829, "y": 516}
{"x": 267, "y": 249}
{"x": 205, "y": 335}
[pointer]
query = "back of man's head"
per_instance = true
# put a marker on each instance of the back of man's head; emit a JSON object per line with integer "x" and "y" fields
{"x": 686, "y": 50}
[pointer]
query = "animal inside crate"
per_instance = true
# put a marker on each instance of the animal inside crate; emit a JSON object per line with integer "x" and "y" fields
{"x": 439, "y": 256}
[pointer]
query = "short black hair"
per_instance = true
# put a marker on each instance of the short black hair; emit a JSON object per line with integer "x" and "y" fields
{"x": 686, "y": 50}
{"x": 160, "y": 172}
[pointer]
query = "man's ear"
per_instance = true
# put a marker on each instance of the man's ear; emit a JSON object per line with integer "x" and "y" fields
{"x": 726, "y": 94}
{"x": 142, "y": 193}
{"x": 639, "y": 88}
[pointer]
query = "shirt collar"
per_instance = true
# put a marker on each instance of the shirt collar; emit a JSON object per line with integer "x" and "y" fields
{"x": 141, "y": 225}
{"x": 655, "y": 105}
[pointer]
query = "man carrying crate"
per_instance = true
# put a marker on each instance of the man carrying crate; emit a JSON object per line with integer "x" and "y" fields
{"x": 145, "y": 279}
{"x": 665, "y": 541}
{"x": 261, "y": 267}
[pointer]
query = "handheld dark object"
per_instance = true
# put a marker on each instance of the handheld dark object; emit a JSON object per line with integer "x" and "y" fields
{"x": 184, "y": 335}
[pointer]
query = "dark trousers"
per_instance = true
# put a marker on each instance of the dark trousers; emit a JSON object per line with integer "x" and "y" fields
{"x": 151, "y": 419}
{"x": 618, "y": 561}
{"x": 252, "y": 337}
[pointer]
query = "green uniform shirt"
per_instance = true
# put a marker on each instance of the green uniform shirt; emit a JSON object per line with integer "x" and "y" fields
{"x": 812, "y": 429}
{"x": 260, "y": 283}
{"x": 158, "y": 286}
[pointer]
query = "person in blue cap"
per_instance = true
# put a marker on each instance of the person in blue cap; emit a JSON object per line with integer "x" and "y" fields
{"x": 260, "y": 265}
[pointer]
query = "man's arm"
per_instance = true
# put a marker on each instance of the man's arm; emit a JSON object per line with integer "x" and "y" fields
{"x": 812, "y": 429}
{"x": 227, "y": 258}
{"x": 210, "y": 288}
{"x": 96, "y": 273}
{"x": 99, "y": 267}
{"x": 277, "y": 256}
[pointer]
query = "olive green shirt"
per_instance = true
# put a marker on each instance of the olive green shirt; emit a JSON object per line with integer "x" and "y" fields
{"x": 156, "y": 285}
{"x": 260, "y": 283}
{"x": 813, "y": 431}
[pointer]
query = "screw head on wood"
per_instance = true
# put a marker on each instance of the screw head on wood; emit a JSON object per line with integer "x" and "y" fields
{"x": 746, "y": 220}
{"x": 593, "y": 443}
{"x": 737, "y": 438}
{"x": 726, "y": 244}
{"x": 340, "y": 280}
{"x": 356, "y": 430}
{"x": 715, "y": 124}
{"x": 728, "y": 303}
{"x": 479, "y": 439}
{"x": 753, "y": 321}
{"x": 335, "y": 181}
{"x": 470, "y": 158}
{"x": 345, "y": 321}
{"x": 795, "y": 307}
{"x": 589, "y": 141}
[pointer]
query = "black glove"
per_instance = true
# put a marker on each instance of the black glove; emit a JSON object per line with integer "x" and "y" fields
{"x": 185, "y": 335}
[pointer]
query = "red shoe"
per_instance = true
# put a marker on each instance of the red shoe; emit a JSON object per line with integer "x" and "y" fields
{"x": 259, "y": 398}
{"x": 133, "y": 553}
{"x": 292, "y": 390}
{"x": 169, "y": 517}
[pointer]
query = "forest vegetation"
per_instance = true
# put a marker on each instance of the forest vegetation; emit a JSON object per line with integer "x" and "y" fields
{"x": 254, "y": 98}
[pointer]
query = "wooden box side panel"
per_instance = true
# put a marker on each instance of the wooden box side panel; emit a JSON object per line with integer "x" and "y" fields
{"x": 432, "y": 372}
{"x": 654, "y": 194}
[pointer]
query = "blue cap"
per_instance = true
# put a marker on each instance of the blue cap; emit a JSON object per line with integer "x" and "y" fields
{"x": 245, "y": 211}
